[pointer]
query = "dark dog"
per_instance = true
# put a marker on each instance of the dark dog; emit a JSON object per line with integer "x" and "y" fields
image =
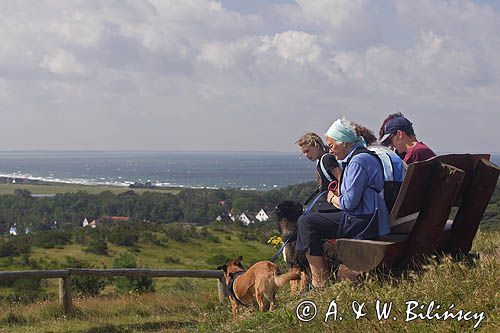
{"x": 260, "y": 282}
{"x": 288, "y": 212}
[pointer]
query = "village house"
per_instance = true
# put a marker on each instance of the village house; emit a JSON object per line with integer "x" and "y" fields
{"x": 247, "y": 218}
{"x": 92, "y": 224}
{"x": 13, "y": 230}
{"x": 262, "y": 216}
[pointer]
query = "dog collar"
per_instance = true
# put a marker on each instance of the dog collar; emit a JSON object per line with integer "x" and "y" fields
{"x": 231, "y": 286}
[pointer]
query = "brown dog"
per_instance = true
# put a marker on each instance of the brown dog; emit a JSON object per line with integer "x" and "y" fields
{"x": 260, "y": 282}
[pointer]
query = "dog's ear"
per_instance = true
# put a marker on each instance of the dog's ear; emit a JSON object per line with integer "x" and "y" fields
{"x": 237, "y": 262}
{"x": 223, "y": 267}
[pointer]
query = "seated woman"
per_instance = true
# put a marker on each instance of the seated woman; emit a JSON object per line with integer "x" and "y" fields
{"x": 327, "y": 167}
{"x": 363, "y": 214}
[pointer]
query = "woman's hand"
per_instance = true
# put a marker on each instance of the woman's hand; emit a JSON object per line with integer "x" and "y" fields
{"x": 333, "y": 199}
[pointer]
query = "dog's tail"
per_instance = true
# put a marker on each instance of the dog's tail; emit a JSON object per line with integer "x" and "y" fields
{"x": 285, "y": 278}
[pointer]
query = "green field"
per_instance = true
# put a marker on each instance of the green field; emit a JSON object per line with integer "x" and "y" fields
{"x": 54, "y": 188}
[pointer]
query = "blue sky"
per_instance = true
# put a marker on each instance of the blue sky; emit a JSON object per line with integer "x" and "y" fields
{"x": 244, "y": 75}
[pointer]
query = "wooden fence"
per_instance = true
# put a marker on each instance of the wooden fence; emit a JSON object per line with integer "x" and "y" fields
{"x": 64, "y": 276}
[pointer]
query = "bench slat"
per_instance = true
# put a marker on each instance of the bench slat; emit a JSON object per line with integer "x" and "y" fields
{"x": 424, "y": 237}
{"x": 475, "y": 200}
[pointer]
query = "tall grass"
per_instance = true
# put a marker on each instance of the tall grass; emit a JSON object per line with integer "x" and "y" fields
{"x": 468, "y": 286}
{"x": 188, "y": 305}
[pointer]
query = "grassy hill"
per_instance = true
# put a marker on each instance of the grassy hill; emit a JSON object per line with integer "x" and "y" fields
{"x": 188, "y": 305}
{"x": 176, "y": 302}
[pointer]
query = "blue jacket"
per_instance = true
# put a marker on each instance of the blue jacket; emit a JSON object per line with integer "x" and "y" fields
{"x": 361, "y": 198}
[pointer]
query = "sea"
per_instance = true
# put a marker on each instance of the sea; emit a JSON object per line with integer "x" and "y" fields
{"x": 241, "y": 170}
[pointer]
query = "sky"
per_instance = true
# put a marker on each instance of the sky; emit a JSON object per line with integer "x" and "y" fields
{"x": 242, "y": 75}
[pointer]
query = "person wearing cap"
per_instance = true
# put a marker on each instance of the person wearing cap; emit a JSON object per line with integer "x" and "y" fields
{"x": 363, "y": 214}
{"x": 397, "y": 131}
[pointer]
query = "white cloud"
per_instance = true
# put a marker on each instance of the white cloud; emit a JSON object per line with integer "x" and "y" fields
{"x": 164, "y": 69}
{"x": 63, "y": 63}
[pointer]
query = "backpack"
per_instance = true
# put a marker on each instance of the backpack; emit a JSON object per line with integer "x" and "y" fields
{"x": 392, "y": 182}
{"x": 325, "y": 172}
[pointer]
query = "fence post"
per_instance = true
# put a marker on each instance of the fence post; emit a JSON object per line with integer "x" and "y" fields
{"x": 221, "y": 289}
{"x": 65, "y": 294}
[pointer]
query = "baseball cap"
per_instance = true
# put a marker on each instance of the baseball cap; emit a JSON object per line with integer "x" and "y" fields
{"x": 393, "y": 125}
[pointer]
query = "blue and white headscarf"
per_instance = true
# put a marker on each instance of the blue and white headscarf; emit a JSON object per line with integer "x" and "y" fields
{"x": 342, "y": 131}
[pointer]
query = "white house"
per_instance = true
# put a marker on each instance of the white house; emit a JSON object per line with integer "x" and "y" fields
{"x": 247, "y": 218}
{"x": 87, "y": 223}
{"x": 262, "y": 216}
{"x": 13, "y": 230}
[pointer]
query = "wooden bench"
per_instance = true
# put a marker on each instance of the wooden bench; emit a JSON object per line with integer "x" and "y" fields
{"x": 420, "y": 214}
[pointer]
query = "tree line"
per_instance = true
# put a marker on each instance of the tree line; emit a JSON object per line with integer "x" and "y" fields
{"x": 69, "y": 210}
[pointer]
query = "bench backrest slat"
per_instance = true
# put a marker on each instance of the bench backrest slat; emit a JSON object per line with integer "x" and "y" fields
{"x": 467, "y": 163}
{"x": 411, "y": 196}
{"x": 444, "y": 186}
{"x": 476, "y": 197}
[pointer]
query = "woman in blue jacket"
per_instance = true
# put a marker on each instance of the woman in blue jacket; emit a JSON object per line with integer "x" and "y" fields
{"x": 363, "y": 214}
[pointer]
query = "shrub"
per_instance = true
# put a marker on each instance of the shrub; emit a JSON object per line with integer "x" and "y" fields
{"x": 217, "y": 259}
{"x": 13, "y": 319}
{"x": 84, "y": 285}
{"x": 171, "y": 260}
{"x": 179, "y": 233}
{"x": 185, "y": 285}
{"x": 97, "y": 246}
{"x": 51, "y": 239}
{"x": 123, "y": 235}
{"x": 14, "y": 246}
{"x": 27, "y": 290}
{"x": 131, "y": 284}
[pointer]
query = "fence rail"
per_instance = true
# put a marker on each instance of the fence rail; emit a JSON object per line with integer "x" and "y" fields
{"x": 64, "y": 276}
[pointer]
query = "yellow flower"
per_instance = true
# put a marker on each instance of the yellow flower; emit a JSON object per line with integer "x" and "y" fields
{"x": 275, "y": 241}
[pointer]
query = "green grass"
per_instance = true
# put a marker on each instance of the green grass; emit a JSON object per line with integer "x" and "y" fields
{"x": 187, "y": 305}
{"x": 470, "y": 288}
{"x": 54, "y": 188}
{"x": 195, "y": 254}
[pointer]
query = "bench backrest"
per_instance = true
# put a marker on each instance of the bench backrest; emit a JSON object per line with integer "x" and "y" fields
{"x": 480, "y": 180}
{"x": 411, "y": 196}
{"x": 423, "y": 239}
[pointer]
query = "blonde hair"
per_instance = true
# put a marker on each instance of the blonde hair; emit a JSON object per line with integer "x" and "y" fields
{"x": 312, "y": 140}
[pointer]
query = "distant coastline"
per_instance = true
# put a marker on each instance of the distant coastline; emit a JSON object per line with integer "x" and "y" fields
{"x": 222, "y": 170}
{"x": 159, "y": 170}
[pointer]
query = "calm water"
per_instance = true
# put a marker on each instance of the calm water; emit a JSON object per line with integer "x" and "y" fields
{"x": 182, "y": 169}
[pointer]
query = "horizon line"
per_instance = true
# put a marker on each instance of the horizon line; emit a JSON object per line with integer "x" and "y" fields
{"x": 177, "y": 151}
